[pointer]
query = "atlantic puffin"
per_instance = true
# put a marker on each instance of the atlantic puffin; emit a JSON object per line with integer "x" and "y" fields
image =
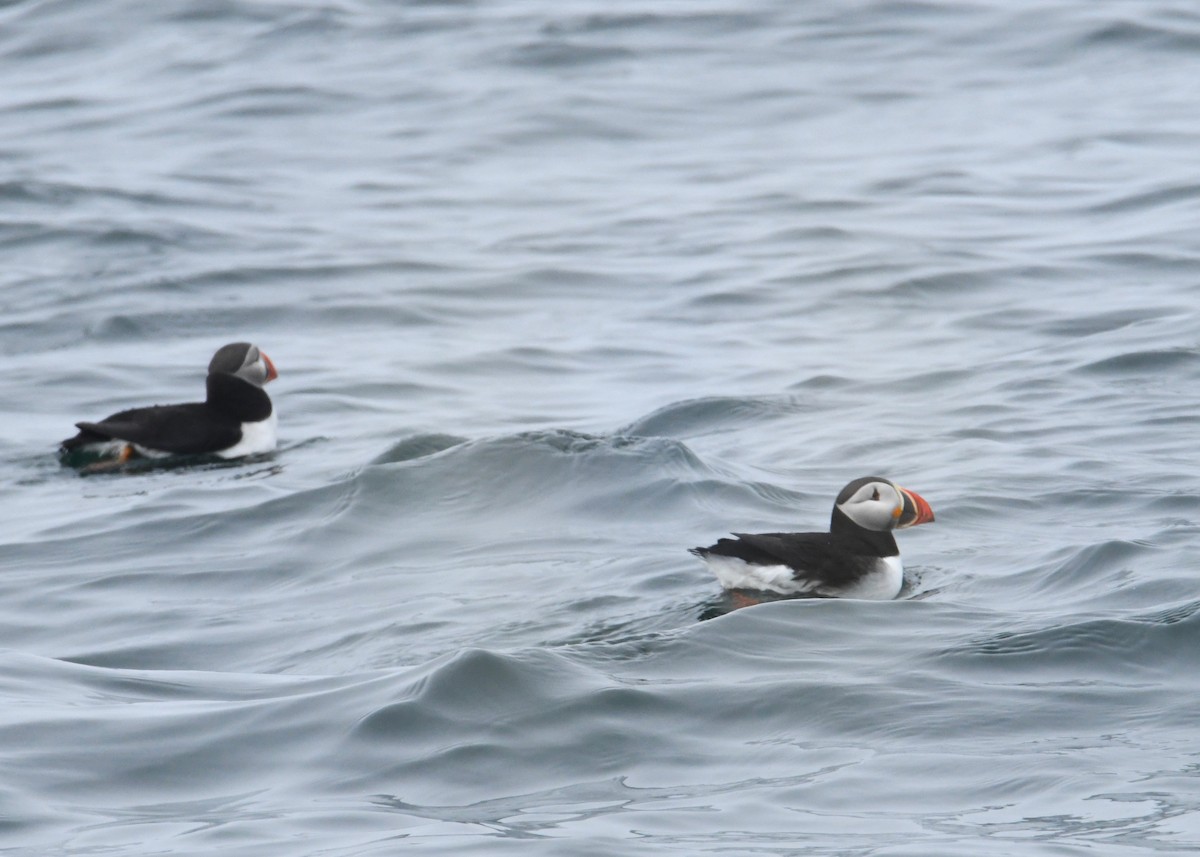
{"x": 857, "y": 558}
{"x": 235, "y": 419}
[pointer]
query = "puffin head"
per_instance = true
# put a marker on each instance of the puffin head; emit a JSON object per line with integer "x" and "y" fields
{"x": 880, "y": 505}
{"x": 245, "y": 361}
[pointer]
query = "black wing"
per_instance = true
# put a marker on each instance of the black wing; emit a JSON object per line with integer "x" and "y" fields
{"x": 191, "y": 429}
{"x": 819, "y": 557}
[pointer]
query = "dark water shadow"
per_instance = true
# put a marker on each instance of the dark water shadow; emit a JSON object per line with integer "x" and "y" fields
{"x": 730, "y": 600}
{"x": 139, "y": 466}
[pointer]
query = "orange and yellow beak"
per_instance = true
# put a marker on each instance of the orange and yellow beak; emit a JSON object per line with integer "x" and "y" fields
{"x": 915, "y": 511}
{"x": 271, "y": 373}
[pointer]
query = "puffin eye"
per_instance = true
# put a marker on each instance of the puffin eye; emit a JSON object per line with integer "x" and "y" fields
{"x": 875, "y": 494}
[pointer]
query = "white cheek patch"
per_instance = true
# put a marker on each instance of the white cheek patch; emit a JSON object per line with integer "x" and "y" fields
{"x": 874, "y": 515}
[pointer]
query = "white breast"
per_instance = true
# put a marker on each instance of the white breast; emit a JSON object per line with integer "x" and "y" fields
{"x": 882, "y": 584}
{"x": 256, "y": 437}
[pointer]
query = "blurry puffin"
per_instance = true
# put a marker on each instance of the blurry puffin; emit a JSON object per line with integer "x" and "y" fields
{"x": 235, "y": 419}
{"x": 857, "y": 558}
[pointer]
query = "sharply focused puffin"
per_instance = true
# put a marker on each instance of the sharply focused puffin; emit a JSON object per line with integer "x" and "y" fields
{"x": 857, "y": 558}
{"x": 235, "y": 419}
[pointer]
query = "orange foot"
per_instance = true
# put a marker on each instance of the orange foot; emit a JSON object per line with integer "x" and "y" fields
{"x": 741, "y": 599}
{"x": 126, "y": 455}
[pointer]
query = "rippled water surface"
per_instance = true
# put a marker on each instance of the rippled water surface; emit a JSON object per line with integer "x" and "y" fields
{"x": 557, "y": 291}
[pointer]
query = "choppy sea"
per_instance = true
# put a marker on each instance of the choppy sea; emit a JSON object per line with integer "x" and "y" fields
{"x": 557, "y": 291}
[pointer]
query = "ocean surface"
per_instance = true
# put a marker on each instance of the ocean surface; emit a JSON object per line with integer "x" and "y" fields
{"x": 557, "y": 291}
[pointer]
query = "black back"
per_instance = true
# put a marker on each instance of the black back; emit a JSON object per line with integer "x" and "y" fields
{"x": 838, "y": 557}
{"x": 187, "y": 429}
{"x": 190, "y": 429}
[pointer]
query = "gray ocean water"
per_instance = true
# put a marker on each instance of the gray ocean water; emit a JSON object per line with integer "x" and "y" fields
{"x": 557, "y": 291}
